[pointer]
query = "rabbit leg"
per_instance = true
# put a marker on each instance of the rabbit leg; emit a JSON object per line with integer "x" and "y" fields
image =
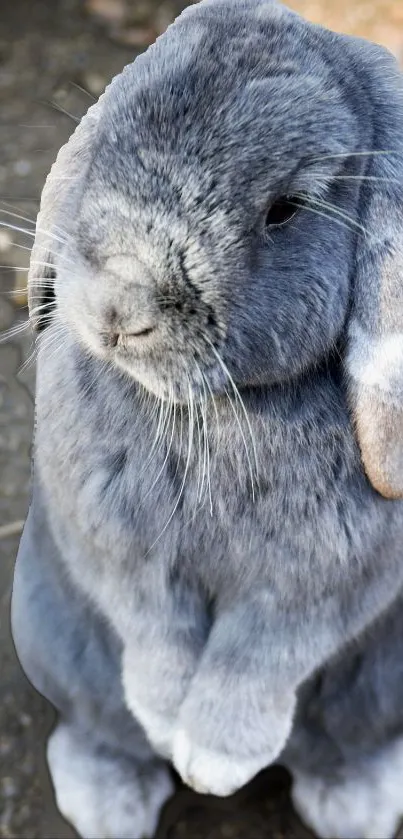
{"x": 108, "y": 781}
{"x": 239, "y": 711}
{"x": 234, "y": 720}
{"x": 362, "y": 801}
{"x": 104, "y": 793}
{"x": 346, "y": 748}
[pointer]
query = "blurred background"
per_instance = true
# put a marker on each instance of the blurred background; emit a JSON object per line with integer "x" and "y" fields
{"x": 56, "y": 56}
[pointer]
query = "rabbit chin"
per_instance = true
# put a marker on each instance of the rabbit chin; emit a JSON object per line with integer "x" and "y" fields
{"x": 142, "y": 372}
{"x": 161, "y": 387}
{"x": 180, "y": 387}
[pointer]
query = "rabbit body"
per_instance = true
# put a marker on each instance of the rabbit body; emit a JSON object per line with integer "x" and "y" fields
{"x": 199, "y": 485}
{"x": 262, "y": 587}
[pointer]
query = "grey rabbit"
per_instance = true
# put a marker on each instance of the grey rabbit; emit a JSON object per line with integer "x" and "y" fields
{"x": 211, "y": 570}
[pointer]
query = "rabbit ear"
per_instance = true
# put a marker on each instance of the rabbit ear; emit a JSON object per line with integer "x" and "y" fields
{"x": 57, "y": 211}
{"x": 375, "y": 336}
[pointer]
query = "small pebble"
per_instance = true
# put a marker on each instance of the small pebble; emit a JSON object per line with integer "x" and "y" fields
{"x": 135, "y": 36}
{"x": 27, "y": 766}
{"x": 22, "y": 168}
{"x": 9, "y": 787}
{"x": 94, "y": 83}
{"x": 112, "y": 11}
{"x": 6, "y": 745}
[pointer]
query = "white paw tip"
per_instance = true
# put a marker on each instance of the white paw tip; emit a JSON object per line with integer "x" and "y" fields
{"x": 212, "y": 772}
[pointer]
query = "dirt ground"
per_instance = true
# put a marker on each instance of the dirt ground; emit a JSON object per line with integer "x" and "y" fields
{"x": 52, "y": 51}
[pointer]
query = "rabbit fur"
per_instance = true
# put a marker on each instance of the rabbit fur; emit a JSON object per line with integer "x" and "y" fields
{"x": 212, "y": 554}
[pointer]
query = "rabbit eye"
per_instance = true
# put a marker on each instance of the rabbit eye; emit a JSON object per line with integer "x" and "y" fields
{"x": 282, "y": 211}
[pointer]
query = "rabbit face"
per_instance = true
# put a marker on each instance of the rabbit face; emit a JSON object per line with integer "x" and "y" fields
{"x": 215, "y": 232}
{"x": 166, "y": 225}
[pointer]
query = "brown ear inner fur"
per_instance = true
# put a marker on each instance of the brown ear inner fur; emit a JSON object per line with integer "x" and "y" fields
{"x": 379, "y": 428}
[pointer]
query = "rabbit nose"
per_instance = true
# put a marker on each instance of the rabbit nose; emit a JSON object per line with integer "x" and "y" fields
{"x": 110, "y": 339}
{"x": 126, "y": 327}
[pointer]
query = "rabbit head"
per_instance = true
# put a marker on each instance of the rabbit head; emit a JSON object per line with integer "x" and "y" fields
{"x": 231, "y": 209}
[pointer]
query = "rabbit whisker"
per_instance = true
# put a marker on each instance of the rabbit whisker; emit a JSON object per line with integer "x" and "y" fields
{"x": 34, "y": 353}
{"x": 15, "y": 292}
{"x": 83, "y": 90}
{"x": 180, "y": 406}
{"x": 191, "y": 420}
{"x": 52, "y": 340}
{"x": 65, "y": 236}
{"x": 44, "y": 283}
{"x": 61, "y": 258}
{"x": 199, "y": 460}
{"x": 13, "y": 268}
{"x": 241, "y": 431}
{"x": 46, "y": 342}
{"x": 28, "y": 361}
{"x": 96, "y": 377}
{"x": 58, "y": 348}
{"x": 30, "y": 221}
{"x": 326, "y": 206}
{"x": 61, "y": 110}
{"x": 148, "y": 403}
{"x": 180, "y": 440}
{"x": 199, "y": 419}
{"x": 21, "y": 247}
{"x": 200, "y": 457}
{"x": 356, "y": 154}
{"x": 202, "y": 449}
{"x": 18, "y": 329}
{"x": 171, "y": 414}
{"x": 253, "y": 472}
{"x": 163, "y": 415}
{"x": 180, "y": 493}
{"x": 13, "y": 207}
{"x": 205, "y": 379}
{"x": 50, "y": 305}
{"x": 16, "y": 228}
{"x": 203, "y": 407}
{"x": 355, "y": 178}
{"x": 58, "y": 327}
{"x": 307, "y": 207}
{"x": 168, "y": 407}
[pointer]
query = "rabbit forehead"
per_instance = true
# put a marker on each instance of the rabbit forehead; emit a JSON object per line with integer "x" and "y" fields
{"x": 221, "y": 86}
{"x": 195, "y": 123}
{"x": 196, "y": 115}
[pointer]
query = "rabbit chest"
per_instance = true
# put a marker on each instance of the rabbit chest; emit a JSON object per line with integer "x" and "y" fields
{"x": 269, "y": 493}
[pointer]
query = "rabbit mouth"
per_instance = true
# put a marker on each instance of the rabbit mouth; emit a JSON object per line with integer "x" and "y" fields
{"x": 174, "y": 365}
{"x": 123, "y": 342}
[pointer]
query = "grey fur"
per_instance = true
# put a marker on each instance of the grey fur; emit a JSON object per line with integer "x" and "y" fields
{"x": 228, "y": 555}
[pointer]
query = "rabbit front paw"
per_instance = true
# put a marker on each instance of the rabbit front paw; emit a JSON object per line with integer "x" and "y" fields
{"x": 239, "y": 747}
{"x": 208, "y": 771}
{"x": 154, "y": 690}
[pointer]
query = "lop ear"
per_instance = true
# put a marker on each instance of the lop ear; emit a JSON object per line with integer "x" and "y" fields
{"x": 56, "y": 216}
{"x": 375, "y": 337}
